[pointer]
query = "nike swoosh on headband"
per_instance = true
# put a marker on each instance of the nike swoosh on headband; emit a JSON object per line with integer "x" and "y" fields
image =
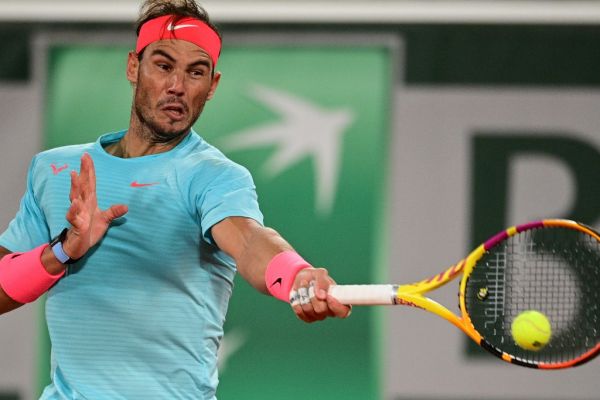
{"x": 170, "y": 27}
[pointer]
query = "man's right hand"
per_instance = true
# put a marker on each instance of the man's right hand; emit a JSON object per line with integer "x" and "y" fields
{"x": 88, "y": 222}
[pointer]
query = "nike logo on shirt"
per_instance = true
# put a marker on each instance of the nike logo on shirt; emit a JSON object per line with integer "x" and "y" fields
{"x": 56, "y": 170}
{"x": 135, "y": 184}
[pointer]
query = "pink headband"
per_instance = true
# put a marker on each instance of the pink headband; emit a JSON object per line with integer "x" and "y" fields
{"x": 188, "y": 29}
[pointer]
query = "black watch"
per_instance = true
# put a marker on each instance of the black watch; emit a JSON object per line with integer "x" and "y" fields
{"x": 57, "y": 248}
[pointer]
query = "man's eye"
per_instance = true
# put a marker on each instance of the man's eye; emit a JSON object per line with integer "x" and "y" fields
{"x": 164, "y": 67}
{"x": 197, "y": 73}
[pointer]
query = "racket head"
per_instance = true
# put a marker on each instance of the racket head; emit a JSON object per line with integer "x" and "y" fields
{"x": 551, "y": 266}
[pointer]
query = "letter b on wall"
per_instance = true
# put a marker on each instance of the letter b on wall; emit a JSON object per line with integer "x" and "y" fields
{"x": 528, "y": 175}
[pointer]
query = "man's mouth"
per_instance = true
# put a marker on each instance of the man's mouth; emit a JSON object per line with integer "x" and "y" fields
{"x": 175, "y": 112}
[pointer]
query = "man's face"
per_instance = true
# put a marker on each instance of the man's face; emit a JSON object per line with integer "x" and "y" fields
{"x": 172, "y": 83}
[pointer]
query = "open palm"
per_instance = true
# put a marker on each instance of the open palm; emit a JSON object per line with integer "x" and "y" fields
{"x": 88, "y": 222}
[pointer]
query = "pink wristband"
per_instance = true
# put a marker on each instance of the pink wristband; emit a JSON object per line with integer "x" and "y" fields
{"x": 282, "y": 271}
{"x": 23, "y": 277}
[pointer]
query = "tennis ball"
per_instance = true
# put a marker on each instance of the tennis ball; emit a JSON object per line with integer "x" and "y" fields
{"x": 531, "y": 330}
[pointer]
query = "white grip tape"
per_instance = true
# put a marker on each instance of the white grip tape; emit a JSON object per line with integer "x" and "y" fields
{"x": 364, "y": 294}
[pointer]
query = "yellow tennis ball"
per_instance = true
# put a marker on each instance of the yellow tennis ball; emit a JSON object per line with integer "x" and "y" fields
{"x": 531, "y": 330}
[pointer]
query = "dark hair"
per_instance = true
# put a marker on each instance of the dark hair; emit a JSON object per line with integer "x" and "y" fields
{"x": 180, "y": 9}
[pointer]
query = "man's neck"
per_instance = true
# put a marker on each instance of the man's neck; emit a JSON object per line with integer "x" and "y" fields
{"x": 136, "y": 144}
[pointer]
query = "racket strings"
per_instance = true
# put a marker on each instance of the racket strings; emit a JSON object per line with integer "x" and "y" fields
{"x": 554, "y": 271}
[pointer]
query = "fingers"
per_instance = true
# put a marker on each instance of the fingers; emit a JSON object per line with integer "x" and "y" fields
{"x": 74, "y": 186}
{"x": 91, "y": 171}
{"x": 72, "y": 215}
{"x": 339, "y": 310}
{"x": 82, "y": 178}
{"x": 87, "y": 179}
{"x": 83, "y": 185}
{"x": 114, "y": 212}
{"x": 77, "y": 242}
{"x": 302, "y": 306}
{"x": 309, "y": 298}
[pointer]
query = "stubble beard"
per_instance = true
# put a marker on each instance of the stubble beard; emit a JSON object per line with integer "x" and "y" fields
{"x": 152, "y": 131}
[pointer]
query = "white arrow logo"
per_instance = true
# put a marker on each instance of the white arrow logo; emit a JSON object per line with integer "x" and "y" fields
{"x": 304, "y": 130}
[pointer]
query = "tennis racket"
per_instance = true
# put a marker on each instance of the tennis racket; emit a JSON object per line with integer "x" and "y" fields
{"x": 551, "y": 266}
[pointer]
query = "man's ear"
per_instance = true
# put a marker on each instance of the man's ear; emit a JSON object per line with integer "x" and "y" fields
{"x": 133, "y": 65}
{"x": 213, "y": 86}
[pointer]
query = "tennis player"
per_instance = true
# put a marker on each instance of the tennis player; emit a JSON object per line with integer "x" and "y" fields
{"x": 138, "y": 249}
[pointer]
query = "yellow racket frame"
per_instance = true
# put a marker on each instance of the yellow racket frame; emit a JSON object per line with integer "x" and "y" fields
{"x": 413, "y": 294}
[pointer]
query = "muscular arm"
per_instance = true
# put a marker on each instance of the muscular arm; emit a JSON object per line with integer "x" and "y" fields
{"x": 252, "y": 246}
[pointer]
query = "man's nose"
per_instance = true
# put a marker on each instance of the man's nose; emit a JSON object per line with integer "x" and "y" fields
{"x": 176, "y": 83}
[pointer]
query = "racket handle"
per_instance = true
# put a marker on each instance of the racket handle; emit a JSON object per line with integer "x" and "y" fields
{"x": 364, "y": 294}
